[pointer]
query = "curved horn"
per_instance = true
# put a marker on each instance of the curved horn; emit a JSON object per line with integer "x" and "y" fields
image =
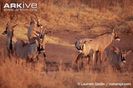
{"x": 37, "y": 20}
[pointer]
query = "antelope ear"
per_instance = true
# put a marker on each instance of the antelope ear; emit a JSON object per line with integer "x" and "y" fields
{"x": 113, "y": 31}
{"x": 85, "y": 42}
{"x": 127, "y": 53}
{"x": 116, "y": 49}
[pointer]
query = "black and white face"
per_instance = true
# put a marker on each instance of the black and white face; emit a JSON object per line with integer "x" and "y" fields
{"x": 115, "y": 36}
{"x": 9, "y": 30}
{"x": 78, "y": 45}
{"x": 5, "y": 32}
{"x": 123, "y": 59}
{"x": 41, "y": 37}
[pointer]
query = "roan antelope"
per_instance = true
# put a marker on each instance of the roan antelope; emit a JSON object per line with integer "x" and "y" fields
{"x": 96, "y": 45}
{"x": 10, "y": 37}
{"x": 29, "y": 50}
{"x": 116, "y": 57}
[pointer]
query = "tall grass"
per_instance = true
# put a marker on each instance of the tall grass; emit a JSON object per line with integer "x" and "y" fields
{"x": 18, "y": 75}
{"x": 14, "y": 75}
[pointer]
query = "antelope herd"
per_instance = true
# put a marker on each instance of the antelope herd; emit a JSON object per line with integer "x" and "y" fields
{"x": 29, "y": 49}
{"x": 96, "y": 50}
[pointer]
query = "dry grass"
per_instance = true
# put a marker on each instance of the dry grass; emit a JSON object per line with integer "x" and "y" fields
{"x": 75, "y": 17}
{"x": 14, "y": 75}
{"x": 78, "y": 18}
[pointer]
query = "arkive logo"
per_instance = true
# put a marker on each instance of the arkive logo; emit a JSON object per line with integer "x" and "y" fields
{"x": 20, "y": 6}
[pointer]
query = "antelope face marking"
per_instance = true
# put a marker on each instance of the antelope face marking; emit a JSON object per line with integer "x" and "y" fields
{"x": 117, "y": 38}
{"x": 79, "y": 46}
{"x": 5, "y": 32}
{"x": 123, "y": 60}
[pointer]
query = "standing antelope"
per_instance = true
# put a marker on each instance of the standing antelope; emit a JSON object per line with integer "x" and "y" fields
{"x": 10, "y": 37}
{"x": 36, "y": 29}
{"x": 30, "y": 50}
{"x": 115, "y": 57}
{"x": 96, "y": 45}
{"x": 79, "y": 46}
